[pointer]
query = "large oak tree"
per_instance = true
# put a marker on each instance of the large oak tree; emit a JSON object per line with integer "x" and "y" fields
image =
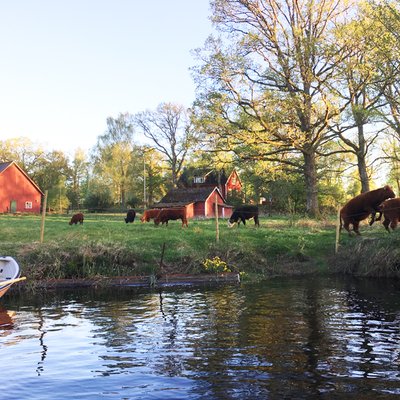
{"x": 269, "y": 78}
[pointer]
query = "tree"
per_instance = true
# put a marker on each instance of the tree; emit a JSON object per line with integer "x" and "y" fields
{"x": 171, "y": 132}
{"x": 384, "y": 43}
{"x": 272, "y": 80}
{"x": 78, "y": 174}
{"x": 98, "y": 197}
{"x": 113, "y": 156}
{"x": 356, "y": 85}
{"x": 153, "y": 173}
{"x": 50, "y": 173}
{"x": 21, "y": 150}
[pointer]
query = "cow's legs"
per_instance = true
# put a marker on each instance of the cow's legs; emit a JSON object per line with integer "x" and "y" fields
{"x": 346, "y": 225}
{"x": 374, "y": 218}
{"x": 356, "y": 224}
{"x": 393, "y": 224}
{"x": 386, "y": 223}
{"x": 256, "y": 221}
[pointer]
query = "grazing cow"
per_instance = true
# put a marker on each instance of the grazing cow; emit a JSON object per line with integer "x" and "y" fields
{"x": 130, "y": 216}
{"x": 76, "y": 218}
{"x": 167, "y": 214}
{"x": 391, "y": 213}
{"x": 361, "y": 206}
{"x": 242, "y": 213}
{"x": 149, "y": 214}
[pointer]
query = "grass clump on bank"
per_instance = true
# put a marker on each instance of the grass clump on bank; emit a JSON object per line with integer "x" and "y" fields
{"x": 105, "y": 246}
{"x": 376, "y": 256}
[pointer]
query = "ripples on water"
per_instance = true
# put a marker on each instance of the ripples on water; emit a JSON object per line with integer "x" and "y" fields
{"x": 298, "y": 338}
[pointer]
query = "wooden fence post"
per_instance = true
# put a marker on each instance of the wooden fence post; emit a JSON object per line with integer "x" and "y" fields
{"x": 216, "y": 218}
{"x": 337, "y": 231}
{"x": 43, "y": 216}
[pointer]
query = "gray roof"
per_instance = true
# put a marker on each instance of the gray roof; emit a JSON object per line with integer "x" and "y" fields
{"x": 4, "y": 165}
{"x": 184, "y": 196}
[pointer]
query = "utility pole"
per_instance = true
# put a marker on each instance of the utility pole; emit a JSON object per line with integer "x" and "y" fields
{"x": 144, "y": 181}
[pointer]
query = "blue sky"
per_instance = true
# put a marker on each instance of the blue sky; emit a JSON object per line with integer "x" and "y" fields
{"x": 66, "y": 66}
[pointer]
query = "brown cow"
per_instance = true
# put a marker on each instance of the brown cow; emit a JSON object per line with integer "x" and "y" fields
{"x": 167, "y": 214}
{"x": 361, "y": 206}
{"x": 76, "y": 218}
{"x": 149, "y": 214}
{"x": 391, "y": 213}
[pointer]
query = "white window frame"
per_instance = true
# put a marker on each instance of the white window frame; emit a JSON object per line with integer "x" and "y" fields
{"x": 28, "y": 205}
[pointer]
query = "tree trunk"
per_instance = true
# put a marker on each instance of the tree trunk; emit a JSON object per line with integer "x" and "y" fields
{"x": 310, "y": 176}
{"x": 362, "y": 172}
{"x": 361, "y": 162}
{"x": 123, "y": 195}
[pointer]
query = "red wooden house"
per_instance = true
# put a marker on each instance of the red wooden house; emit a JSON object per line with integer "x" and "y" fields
{"x": 210, "y": 178}
{"x": 18, "y": 192}
{"x": 199, "y": 202}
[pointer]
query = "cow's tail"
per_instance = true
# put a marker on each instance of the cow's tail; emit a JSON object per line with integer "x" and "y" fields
{"x": 340, "y": 221}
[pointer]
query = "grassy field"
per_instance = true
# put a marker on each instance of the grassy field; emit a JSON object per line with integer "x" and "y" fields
{"x": 105, "y": 246}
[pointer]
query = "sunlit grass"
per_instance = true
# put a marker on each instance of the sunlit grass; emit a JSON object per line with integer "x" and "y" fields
{"x": 106, "y": 244}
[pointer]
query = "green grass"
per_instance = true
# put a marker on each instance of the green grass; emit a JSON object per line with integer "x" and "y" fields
{"x": 105, "y": 245}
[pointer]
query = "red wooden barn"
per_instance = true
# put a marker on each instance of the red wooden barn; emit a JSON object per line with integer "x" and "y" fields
{"x": 199, "y": 202}
{"x": 18, "y": 192}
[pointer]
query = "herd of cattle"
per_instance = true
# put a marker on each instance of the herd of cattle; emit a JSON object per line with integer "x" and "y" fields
{"x": 163, "y": 215}
{"x": 380, "y": 201}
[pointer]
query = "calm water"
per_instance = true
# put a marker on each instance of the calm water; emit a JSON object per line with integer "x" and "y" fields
{"x": 284, "y": 339}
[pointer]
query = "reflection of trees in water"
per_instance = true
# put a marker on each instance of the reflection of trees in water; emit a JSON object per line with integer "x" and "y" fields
{"x": 370, "y": 350}
{"x": 255, "y": 341}
{"x": 40, "y": 364}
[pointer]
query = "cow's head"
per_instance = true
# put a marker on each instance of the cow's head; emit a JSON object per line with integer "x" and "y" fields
{"x": 231, "y": 223}
{"x": 389, "y": 192}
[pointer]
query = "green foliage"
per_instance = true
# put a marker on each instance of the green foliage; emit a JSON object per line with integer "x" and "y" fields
{"x": 235, "y": 198}
{"x": 98, "y": 197}
{"x": 287, "y": 195}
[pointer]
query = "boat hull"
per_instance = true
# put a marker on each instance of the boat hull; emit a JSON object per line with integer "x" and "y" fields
{"x": 9, "y": 272}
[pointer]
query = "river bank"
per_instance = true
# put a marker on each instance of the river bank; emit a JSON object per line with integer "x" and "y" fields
{"x": 104, "y": 246}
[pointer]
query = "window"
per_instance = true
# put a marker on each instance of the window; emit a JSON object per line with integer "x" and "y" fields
{"x": 28, "y": 205}
{"x": 233, "y": 180}
{"x": 198, "y": 179}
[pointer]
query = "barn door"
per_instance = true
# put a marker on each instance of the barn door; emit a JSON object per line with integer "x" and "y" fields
{"x": 13, "y": 206}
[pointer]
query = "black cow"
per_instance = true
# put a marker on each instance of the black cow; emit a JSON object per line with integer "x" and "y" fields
{"x": 242, "y": 213}
{"x": 130, "y": 216}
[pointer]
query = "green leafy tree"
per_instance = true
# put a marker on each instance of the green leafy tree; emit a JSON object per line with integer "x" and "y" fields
{"x": 357, "y": 86}
{"x": 271, "y": 81}
{"x": 50, "y": 173}
{"x": 78, "y": 179}
{"x": 113, "y": 156}
{"x": 99, "y": 196}
{"x": 21, "y": 150}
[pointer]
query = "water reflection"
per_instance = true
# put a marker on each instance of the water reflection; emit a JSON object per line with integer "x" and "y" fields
{"x": 6, "y": 320}
{"x": 42, "y": 331}
{"x": 299, "y": 338}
